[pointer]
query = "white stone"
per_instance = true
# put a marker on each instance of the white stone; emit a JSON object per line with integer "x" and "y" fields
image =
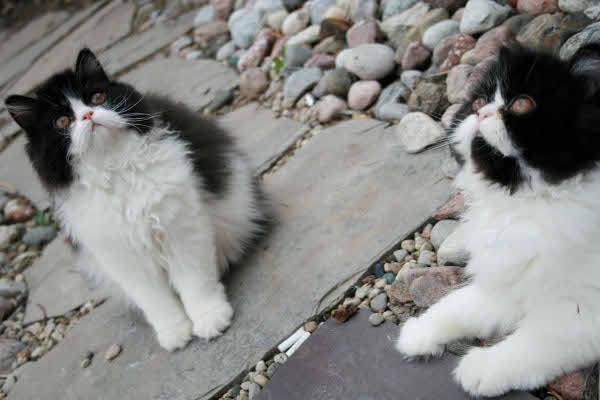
{"x": 369, "y": 61}
{"x": 417, "y": 131}
{"x": 482, "y": 15}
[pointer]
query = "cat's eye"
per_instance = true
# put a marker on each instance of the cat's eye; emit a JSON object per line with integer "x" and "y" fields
{"x": 479, "y": 103}
{"x": 62, "y": 122}
{"x": 522, "y": 105}
{"x": 98, "y": 98}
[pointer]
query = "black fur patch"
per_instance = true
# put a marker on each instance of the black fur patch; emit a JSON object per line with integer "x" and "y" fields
{"x": 561, "y": 136}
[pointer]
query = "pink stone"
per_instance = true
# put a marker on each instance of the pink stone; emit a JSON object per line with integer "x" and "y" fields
{"x": 537, "y": 7}
{"x": 363, "y": 32}
{"x": 449, "y": 114}
{"x": 426, "y": 234}
{"x": 415, "y": 56}
{"x": 223, "y": 9}
{"x": 362, "y": 94}
{"x": 257, "y": 51}
{"x": 488, "y": 44}
{"x": 18, "y": 210}
{"x": 329, "y": 107}
{"x": 321, "y": 60}
{"x": 571, "y": 386}
{"x": 452, "y": 208}
{"x": 274, "y": 88}
{"x": 278, "y": 47}
{"x": 253, "y": 82}
{"x": 462, "y": 44}
{"x": 428, "y": 285}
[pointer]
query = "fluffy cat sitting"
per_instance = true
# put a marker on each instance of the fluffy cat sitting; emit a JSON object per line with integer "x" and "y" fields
{"x": 156, "y": 198}
{"x": 530, "y": 142}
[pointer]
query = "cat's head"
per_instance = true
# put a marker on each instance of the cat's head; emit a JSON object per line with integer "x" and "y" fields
{"x": 73, "y": 111}
{"x": 532, "y": 117}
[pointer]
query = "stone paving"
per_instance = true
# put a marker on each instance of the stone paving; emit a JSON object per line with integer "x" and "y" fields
{"x": 336, "y": 217}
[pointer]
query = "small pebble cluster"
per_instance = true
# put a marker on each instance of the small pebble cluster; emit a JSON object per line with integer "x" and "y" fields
{"x": 407, "y": 61}
{"x": 266, "y": 369}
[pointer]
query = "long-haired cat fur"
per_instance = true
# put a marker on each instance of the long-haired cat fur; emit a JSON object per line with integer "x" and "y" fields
{"x": 529, "y": 139}
{"x": 157, "y": 199}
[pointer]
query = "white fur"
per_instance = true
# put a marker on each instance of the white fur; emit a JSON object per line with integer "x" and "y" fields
{"x": 535, "y": 276}
{"x": 146, "y": 222}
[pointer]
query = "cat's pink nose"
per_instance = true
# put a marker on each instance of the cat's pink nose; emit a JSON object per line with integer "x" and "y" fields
{"x": 88, "y": 115}
{"x": 485, "y": 114}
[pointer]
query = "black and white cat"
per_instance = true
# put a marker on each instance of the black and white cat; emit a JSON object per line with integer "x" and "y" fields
{"x": 156, "y": 198}
{"x": 530, "y": 142}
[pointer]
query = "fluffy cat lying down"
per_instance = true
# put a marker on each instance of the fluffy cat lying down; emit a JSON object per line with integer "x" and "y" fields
{"x": 530, "y": 142}
{"x": 156, "y": 199}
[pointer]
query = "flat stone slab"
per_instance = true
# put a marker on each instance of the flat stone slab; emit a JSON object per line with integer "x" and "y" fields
{"x": 56, "y": 283}
{"x": 16, "y": 170}
{"x": 135, "y": 48}
{"x": 31, "y": 33}
{"x": 342, "y": 201}
{"x": 191, "y": 82}
{"x": 11, "y": 68}
{"x": 355, "y": 360}
{"x": 263, "y": 136}
{"x": 105, "y": 27}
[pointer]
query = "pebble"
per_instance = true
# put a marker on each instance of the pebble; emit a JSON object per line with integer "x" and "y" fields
{"x": 272, "y": 370}
{"x": 418, "y": 131}
{"x": 400, "y": 255}
{"x": 593, "y": 12}
{"x": 442, "y": 230}
{"x": 591, "y": 34}
{"x": 276, "y": 18}
{"x": 244, "y": 25}
{"x": 410, "y": 78}
{"x": 280, "y": 358}
{"x": 543, "y": 33}
{"x": 482, "y": 15}
{"x": 452, "y": 252}
{"x": 226, "y": 51}
{"x": 575, "y": 6}
{"x": 245, "y": 385}
{"x": 407, "y": 18}
{"x": 379, "y": 270}
{"x": 459, "y": 45}
{"x": 363, "y": 32}
{"x": 253, "y": 83}
{"x": 261, "y": 380}
{"x": 261, "y": 366}
{"x": 379, "y": 283}
{"x": 352, "y": 301}
{"x": 393, "y": 267}
{"x": 408, "y": 245}
{"x": 374, "y": 292}
{"x": 337, "y": 82}
{"x": 18, "y": 210}
{"x": 362, "y": 291}
{"x": 376, "y": 319}
{"x": 363, "y": 10}
{"x": 390, "y": 277}
{"x": 368, "y": 61}
{"x": 408, "y": 267}
{"x": 428, "y": 285}
{"x": 426, "y": 257}
{"x": 180, "y": 44}
{"x": 257, "y": 52}
{"x": 307, "y": 36}
{"x": 295, "y": 22}
{"x": 429, "y": 98}
{"x": 379, "y": 302}
{"x": 415, "y": 56}
{"x": 537, "y": 7}
{"x": 296, "y": 56}
{"x": 8, "y": 234}
{"x": 311, "y": 326}
{"x": 393, "y": 94}
{"x": 452, "y": 208}
{"x": 457, "y": 89}
{"x": 112, "y": 352}
{"x": 329, "y": 45}
{"x": 438, "y": 32}
{"x": 571, "y": 386}
{"x": 298, "y": 83}
{"x": 318, "y": 10}
{"x": 321, "y": 60}
{"x": 393, "y": 7}
{"x": 39, "y": 235}
{"x": 205, "y": 14}
{"x": 362, "y": 94}
{"x": 329, "y": 107}
{"x": 253, "y": 390}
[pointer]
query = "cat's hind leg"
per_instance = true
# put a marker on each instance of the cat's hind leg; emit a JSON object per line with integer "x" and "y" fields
{"x": 466, "y": 312}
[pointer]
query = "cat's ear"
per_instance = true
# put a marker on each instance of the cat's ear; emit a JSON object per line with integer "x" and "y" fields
{"x": 24, "y": 110}
{"x": 88, "y": 67}
{"x": 586, "y": 63}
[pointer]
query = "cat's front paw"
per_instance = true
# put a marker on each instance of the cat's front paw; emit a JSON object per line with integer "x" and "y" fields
{"x": 478, "y": 374}
{"x": 211, "y": 320}
{"x": 416, "y": 339}
{"x": 176, "y": 336}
